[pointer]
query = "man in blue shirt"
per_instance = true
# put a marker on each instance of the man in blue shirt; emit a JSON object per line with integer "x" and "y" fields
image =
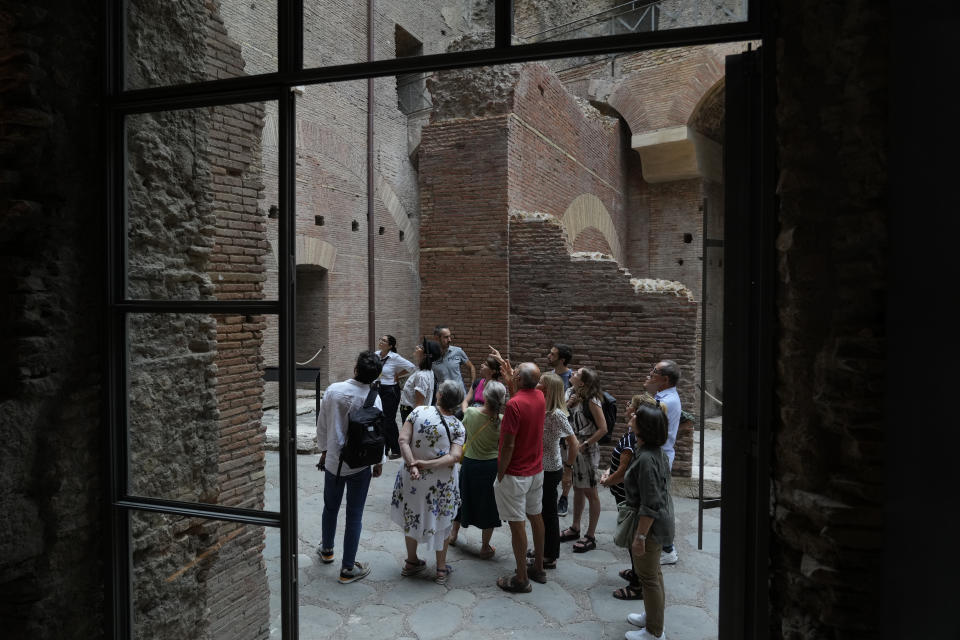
{"x": 448, "y": 367}
{"x": 661, "y": 382}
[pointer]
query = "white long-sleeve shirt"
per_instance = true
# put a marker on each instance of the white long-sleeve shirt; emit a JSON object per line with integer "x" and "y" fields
{"x": 338, "y": 401}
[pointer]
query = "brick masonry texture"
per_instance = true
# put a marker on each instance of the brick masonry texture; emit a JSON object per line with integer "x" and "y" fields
{"x": 828, "y": 439}
{"x": 619, "y": 333}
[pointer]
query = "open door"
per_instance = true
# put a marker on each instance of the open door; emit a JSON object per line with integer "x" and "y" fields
{"x": 748, "y": 350}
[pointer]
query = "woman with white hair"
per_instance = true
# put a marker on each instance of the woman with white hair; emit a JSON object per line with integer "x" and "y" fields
{"x": 425, "y": 495}
{"x": 478, "y": 468}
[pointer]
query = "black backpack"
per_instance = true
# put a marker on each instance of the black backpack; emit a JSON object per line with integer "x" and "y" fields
{"x": 609, "y": 408}
{"x": 364, "y": 445}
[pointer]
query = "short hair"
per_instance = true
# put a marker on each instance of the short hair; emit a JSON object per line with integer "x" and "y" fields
{"x": 440, "y": 327}
{"x": 652, "y": 424}
{"x": 392, "y": 342}
{"x": 431, "y": 353}
{"x": 495, "y": 396}
{"x": 528, "y": 375}
{"x": 368, "y": 367}
{"x": 553, "y": 392}
{"x": 564, "y": 352}
{"x": 450, "y": 395}
{"x": 672, "y": 370}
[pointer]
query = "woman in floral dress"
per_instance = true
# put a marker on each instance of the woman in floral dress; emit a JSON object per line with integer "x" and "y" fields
{"x": 426, "y": 496}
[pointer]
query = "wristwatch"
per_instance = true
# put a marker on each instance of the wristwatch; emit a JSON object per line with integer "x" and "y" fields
{"x": 568, "y": 465}
{"x": 641, "y": 536}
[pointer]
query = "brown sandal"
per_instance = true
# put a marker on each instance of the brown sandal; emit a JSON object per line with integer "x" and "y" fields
{"x": 628, "y": 593}
{"x": 510, "y": 584}
{"x": 569, "y": 534}
{"x": 586, "y": 543}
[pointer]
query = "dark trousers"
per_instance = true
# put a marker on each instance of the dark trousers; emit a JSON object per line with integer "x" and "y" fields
{"x": 390, "y": 399}
{"x": 551, "y": 521}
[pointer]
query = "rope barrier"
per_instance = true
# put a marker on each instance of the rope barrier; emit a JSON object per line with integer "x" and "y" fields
{"x": 303, "y": 364}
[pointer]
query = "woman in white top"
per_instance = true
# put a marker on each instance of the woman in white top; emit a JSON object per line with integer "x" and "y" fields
{"x": 394, "y": 365}
{"x": 419, "y": 388}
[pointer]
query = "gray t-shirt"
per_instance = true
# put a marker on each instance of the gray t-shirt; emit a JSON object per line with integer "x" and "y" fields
{"x": 448, "y": 367}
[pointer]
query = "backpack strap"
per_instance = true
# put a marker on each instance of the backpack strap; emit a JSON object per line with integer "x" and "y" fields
{"x": 372, "y": 396}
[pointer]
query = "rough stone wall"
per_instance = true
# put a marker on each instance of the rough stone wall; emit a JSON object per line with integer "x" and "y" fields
{"x": 620, "y": 332}
{"x": 196, "y": 380}
{"x": 828, "y": 448}
{"x": 464, "y": 232}
{"x": 675, "y": 209}
{"x": 51, "y": 572}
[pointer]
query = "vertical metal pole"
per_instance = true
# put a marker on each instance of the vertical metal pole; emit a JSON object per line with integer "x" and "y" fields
{"x": 290, "y": 51}
{"x": 503, "y": 23}
{"x": 119, "y": 587}
{"x": 703, "y": 366}
{"x": 371, "y": 218}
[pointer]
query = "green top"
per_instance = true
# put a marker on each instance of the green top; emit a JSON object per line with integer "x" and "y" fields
{"x": 483, "y": 434}
{"x": 647, "y": 485}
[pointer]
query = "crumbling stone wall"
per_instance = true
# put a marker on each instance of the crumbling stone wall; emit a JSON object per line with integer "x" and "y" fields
{"x": 827, "y": 466}
{"x": 619, "y": 328}
{"x": 51, "y": 312}
{"x": 197, "y": 232}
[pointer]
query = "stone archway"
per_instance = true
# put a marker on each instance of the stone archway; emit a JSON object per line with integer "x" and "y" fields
{"x": 588, "y": 211}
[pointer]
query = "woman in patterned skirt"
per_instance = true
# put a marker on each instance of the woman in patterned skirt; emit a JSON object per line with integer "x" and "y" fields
{"x": 425, "y": 495}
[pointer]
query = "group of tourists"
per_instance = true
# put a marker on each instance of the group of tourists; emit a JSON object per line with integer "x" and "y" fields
{"x": 499, "y": 448}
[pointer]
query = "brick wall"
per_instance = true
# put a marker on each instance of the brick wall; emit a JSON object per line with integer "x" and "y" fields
{"x": 561, "y": 148}
{"x": 620, "y": 333}
{"x": 464, "y": 232}
{"x": 51, "y": 569}
{"x": 828, "y": 438}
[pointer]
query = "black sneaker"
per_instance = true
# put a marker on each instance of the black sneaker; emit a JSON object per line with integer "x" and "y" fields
{"x": 562, "y": 506}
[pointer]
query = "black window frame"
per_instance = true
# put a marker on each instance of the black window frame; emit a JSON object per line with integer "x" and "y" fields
{"x": 119, "y": 102}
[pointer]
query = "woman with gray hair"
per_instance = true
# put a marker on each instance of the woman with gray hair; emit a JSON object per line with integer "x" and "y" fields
{"x": 478, "y": 468}
{"x": 425, "y": 495}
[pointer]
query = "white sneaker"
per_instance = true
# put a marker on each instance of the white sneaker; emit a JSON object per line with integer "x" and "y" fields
{"x": 637, "y": 619}
{"x": 643, "y": 634}
{"x": 668, "y": 558}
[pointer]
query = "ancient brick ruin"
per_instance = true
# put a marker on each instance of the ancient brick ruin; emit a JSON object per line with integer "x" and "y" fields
{"x": 829, "y": 460}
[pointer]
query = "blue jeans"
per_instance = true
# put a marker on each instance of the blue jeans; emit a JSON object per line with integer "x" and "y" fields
{"x": 356, "y": 485}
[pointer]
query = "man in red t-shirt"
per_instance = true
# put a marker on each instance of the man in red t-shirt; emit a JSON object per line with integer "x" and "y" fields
{"x": 519, "y": 486}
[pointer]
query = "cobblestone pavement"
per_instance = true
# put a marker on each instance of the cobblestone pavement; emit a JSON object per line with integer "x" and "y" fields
{"x": 575, "y": 603}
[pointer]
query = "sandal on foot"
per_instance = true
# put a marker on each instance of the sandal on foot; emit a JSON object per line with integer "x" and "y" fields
{"x": 511, "y": 585}
{"x": 628, "y": 593}
{"x": 629, "y": 576}
{"x": 412, "y": 568}
{"x": 486, "y": 555}
{"x": 443, "y": 574}
{"x": 537, "y": 576}
{"x": 584, "y": 544}
{"x": 547, "y": 563}
{"x": 569, "y": 534}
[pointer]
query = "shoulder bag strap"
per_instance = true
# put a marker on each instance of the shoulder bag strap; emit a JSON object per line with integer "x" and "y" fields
{"x": 372, "y": 395}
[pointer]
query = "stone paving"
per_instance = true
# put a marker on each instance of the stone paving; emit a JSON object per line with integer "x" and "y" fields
{"x": 576, "y": 602}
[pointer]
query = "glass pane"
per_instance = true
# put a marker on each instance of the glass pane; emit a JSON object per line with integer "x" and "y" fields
{"x": 170, "y": 43}
{"x": 571, "y": 19}
{"x": 203, "y": 579}
{"x": 198, "y": 203}
{"x": 336, "y": 32}
{"x": 195, "y": 408}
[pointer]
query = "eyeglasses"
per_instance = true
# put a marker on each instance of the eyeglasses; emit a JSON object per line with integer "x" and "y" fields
{"x": 657, "y": 372}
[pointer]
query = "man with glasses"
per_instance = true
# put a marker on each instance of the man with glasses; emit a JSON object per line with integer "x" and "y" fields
{"x": 661, "y": 383}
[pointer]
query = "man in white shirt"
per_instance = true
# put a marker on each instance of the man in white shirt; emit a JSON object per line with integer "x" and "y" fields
{"x": 332, "y": 419}
{"x": 661, "y": 382}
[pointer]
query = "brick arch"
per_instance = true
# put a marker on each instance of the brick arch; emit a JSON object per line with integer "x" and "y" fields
{"x": 587, "y": 210}
{"x": 667, "y": 95}
{"x": 315, "y": 252}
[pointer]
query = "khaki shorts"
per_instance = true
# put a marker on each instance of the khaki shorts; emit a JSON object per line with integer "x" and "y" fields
{"x": 519, "y": 496}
